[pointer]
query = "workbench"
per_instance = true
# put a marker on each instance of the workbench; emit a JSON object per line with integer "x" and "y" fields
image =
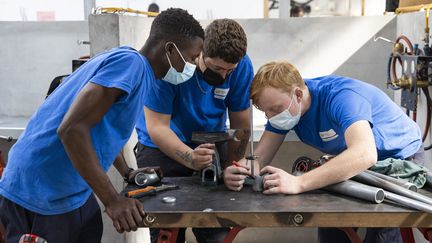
{"x": 206, "y": 206}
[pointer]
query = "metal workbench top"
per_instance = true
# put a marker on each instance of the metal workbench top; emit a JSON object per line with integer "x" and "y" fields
{"x": 205, "y": 206}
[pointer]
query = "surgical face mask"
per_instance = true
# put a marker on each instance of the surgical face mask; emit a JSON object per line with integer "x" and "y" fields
{"x": 212, "y": 77}
{"x": 284, "y": 120}
{"x": 174, "y": 77}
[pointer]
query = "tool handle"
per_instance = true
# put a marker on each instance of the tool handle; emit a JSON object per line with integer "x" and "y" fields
{"x": 141, "y": 192}
{"x": 237, "y": 164}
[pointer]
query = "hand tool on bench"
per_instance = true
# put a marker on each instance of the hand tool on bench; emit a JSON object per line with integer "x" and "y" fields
{"x": 149, "y": 190}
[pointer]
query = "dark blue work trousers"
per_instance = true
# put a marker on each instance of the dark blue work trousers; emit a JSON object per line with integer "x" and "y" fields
{"x": 83, "y": 225}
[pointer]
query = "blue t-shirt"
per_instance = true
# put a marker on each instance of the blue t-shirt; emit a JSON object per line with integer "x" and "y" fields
{"x": 39, "y": 175}
{"x": 197, "y": 106}
{"x": 338, "y": 102}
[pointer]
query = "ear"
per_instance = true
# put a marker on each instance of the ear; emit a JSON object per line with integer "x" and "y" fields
{"x": 299, "y": 93}
{"x": 169, "y": 48}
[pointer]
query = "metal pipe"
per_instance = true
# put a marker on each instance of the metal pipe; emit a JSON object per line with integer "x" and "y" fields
{"x": 124, "y": 10}
{"x": 8, "y": 139}
{"x": 412, "y": 8}
{"x": 405, "y": 184}
{"x": 386, "y": 185}
{"x": 358, "y": 190}
{"x": 251, "y": 145}
{"x": 429, "y": 178}
{"x": 408, "y": 202}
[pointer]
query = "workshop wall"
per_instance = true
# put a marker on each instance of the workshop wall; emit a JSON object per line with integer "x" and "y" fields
{"x": 33, "y": 54}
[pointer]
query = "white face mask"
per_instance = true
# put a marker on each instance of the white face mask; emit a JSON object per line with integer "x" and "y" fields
{"x": 174, "y": 77}
{"x": 284, "y": 120}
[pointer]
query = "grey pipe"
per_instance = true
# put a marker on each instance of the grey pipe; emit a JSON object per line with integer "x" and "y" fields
{"x": 408, "y": 185}
{"x": 357, "y": 190}
{"x": 408, "y": 202}
{"x": 386, "y": 185}
{"x": 429, "y": 178}
{"x": 8, "y": 139}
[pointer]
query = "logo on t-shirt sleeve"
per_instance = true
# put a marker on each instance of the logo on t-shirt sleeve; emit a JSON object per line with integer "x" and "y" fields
{"x": 328, "y": 135}
{"x": 220, "y": 93}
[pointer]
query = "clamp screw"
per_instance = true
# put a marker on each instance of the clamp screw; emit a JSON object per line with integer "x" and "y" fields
{"x": 149, "y": 219}
{"x": 298, "y": 219}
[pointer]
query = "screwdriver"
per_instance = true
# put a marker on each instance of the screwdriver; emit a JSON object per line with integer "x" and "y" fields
{"x": 149, "y": 190}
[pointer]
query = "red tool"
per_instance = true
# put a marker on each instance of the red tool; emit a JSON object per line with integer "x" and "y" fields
{"x": 237, "y": 164}
{"x": 1, "y": 164}
{"x": 30, "y": 238}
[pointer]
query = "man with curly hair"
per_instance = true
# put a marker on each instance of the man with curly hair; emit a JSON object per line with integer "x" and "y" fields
{"x": 174, "y": 110}
{"x": 78, "y": 132}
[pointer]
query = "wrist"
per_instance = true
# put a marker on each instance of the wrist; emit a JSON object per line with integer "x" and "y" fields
{"x": 300, "y": 182}
{"x": 127, "y": 174}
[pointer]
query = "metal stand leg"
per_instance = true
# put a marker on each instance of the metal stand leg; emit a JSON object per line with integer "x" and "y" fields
{"x": 168, "y": 235}
{"x": 407, "y": 235}
{"x": 232, "y": 234}
{"x": 352, "y": 235}
{"x": 427, "y": 233}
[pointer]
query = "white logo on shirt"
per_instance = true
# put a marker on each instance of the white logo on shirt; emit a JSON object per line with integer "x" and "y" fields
{"x": 220, "y": 93}
{"x": 329, "y": 135}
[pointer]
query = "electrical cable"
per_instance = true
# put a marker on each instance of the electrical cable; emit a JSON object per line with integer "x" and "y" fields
{"x": 428, "y": 116}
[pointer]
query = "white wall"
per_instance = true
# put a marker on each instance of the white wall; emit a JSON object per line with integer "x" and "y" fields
{"x": 16, "y": 10}
{"x": 202, "y": 9}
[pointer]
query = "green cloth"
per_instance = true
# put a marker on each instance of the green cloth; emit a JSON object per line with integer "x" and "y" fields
{"x": 402, "y": 169}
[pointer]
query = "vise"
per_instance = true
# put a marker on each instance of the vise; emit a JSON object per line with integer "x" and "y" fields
{"x": 212, "y": 175}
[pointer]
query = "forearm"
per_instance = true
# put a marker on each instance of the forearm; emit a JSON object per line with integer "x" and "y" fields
{"x": 168, "y": 142}
{"x": 342, "y": 167}
{"x": 120, "y": 164}
{"x": 77, "y": 143}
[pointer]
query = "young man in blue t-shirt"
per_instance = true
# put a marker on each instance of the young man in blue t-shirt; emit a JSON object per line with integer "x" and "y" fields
{"x": 341, "y": 116}
{"x": 78, "y": 132}
{"x": 173, "y": 110}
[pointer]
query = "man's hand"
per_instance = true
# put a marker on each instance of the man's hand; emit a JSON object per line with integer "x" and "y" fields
{"x": 279, "y": 181}
{"x": 235, "y": 175}
{"x": 202, "y": 156}
{"x": 126, "y": 213}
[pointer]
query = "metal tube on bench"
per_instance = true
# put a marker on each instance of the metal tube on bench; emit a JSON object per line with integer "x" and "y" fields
{"x": 429, "y": 178}
{"x": 405, "y": 184}
{"x": 358, "y": 190}
{"x": 388, "y": 186}
{"x": 408, "y": 202}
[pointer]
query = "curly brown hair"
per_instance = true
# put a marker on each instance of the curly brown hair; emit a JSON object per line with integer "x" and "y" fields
{"x": 226, "y": 39}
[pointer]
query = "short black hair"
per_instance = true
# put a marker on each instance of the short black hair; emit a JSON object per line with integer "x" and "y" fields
{"x": 153, "y": 7}
{"x": 175, "y": 24}
{"x": 226, "y": 39}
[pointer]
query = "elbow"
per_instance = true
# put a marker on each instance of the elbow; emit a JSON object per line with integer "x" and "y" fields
{"x": 368, "y": 157}
{"x": 63, "y": 131}
{"x": 66, "y": 131}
